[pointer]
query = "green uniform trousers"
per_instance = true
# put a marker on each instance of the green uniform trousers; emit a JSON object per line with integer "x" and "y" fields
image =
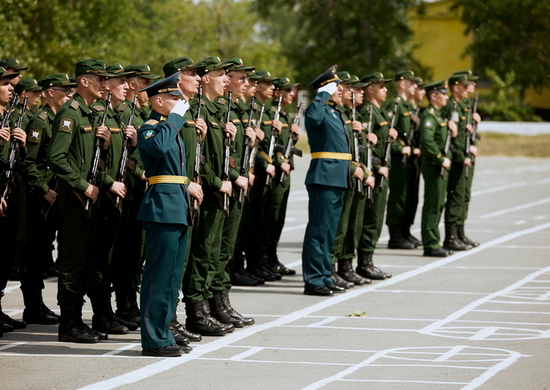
{"x": 413, "y": 188}
{"x": 275, "y": 213}
{"x": 324, "y": 208}
{"x": 398, "y": 191}
{"x": 467, "y": 196}
{"x": 435, "y": 188}
{"x": 222, "y": 277}
{"x": 205, "y": 252}
{"x": 350, "y": 225}
{"x": 165, "y": 249}
{"x": 373, "y": 219}
{"x": 456, "y": 191}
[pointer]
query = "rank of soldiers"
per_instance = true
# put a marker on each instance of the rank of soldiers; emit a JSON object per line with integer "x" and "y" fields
{"x": 180, "y": 183}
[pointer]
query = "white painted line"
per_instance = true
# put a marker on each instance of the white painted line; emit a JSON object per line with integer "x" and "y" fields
{"x": 450, "y": 353}
{"x": 520, "y": 222}
{"x": 497, "y": 189}
{"x": 12, "y": 345}
{"x": 516, "y": 208}
{"x": 327, "y": 320}
{"x": 543, "y": 181}
{"x": 121, "y": 349}
{"x": 297, "y": 227}
{"x": 397, "y": 381}
{"x": 512, "y": 312}
{"x": 244, "y": 355}
{"x": 169, "y": 363}
{"x": 493, "y": 371}
{"x": 485, "y": 333}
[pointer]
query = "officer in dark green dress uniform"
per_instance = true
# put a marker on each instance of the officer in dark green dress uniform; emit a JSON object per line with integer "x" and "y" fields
{"x": 433, "y": 133}
{"x": 165, "y": 214}
{"x": 126, "y": 273}
{"x": 41, "y": 199}
{"x": 10, "y": 207}
{"x": 70, "y": 158}
{"x": 375, "y": 95}
{"x": 398, "y": 190}
{"x": 327, "y": 178}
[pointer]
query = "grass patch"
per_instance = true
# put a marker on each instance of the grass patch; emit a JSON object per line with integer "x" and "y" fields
{"x": 497, "y": 144}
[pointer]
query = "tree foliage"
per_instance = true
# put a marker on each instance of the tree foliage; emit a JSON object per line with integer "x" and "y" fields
{"x": 510, "y": 35}
{"x": 361, "y": 36}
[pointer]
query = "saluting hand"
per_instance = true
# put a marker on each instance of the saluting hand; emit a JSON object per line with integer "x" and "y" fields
{"x": 200, "y": 125}
{"x": 130, "y": 132}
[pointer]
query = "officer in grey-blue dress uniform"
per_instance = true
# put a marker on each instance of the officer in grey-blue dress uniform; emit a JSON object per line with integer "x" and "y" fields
{"x": 165, "y": 216}
{"x": 327, "y": 178}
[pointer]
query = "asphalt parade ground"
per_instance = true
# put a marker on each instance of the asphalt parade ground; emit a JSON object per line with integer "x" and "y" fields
{"x": 475, "y": 320}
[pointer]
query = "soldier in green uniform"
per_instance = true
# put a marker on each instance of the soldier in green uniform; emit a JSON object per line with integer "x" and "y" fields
{"x": 70, "y": 159}
{"x": 413, "y": 178}
{"x": 245, "y": 137}
{"x": 165, "y": 214}
{"x": 456, "y": 186}
{"x": 346, "y": 238}
{"x": 375, "y": 95}
{"x": 433, "y": 133}
{"x": 12, "y": 66}
{"x": 275, "y": 211}
{"x": 474, "y": 119}
{"x": 128, "y": 249}
{"x": 110, "y": 217}
{"x": 206, "y": 238}
{"x": 29, "y": 88}
{"x": 41, "y": 199}
{"x": 401, "y": 104}
{"x": 9, "y": 208}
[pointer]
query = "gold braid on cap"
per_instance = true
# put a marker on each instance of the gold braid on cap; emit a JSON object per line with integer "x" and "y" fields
{"x": 165, "y": 90}
{"x": 334, "y": 78}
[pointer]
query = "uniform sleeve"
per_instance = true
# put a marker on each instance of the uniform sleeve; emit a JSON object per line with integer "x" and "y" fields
{"x": 158, "y": 140}
{"x": 35, "y": 140}
{"x": 430, "y": 150}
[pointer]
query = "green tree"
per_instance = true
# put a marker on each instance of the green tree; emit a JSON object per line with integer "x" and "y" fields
{"x": 361, "y": 36}
{"x": 510, "y": 35}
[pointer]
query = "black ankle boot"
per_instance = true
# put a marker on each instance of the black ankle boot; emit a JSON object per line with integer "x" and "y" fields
{"x": 338, "y": 280}
{"x": 72, "y": 329}
{"x": 406, "y": 233}
{"x": 36, "y": 311}
{"x": 462, "y": 237}
{"x": 103, "y": 320}
{"x": 345, "y": 270}
{"x": 366, "y": 268}
{"x": 397, "y": 241}
{"x": 219, "y": 312}
{"x": 451, "y": 240}
{"x": 200, "y": 323}
{"x": 127, "y": 307}
{"x": 232, "y": 312}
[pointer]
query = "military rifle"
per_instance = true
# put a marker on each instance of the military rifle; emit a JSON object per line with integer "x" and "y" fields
{"x": 410, "y": 138}
{"x": 12, "y": 164}
{"x": 92, "y": 176}
{"x": 356, "y": 152}
{"x": 471, "y": 137}
{"x": 389, "y": 143}
{"x": 247, "y": 151}
{"x": 7, "y": 115}
{"x": 292, "y": 139}
{"x": 273, "y": 139}
{"x": 254, "y": 150}
{"x": 226, "y": 155}
{"x": 369, "y": 151}
{"x": 198, "y": 156}
{"x": 448, "y": 138}
{"x": 121, "y": 172}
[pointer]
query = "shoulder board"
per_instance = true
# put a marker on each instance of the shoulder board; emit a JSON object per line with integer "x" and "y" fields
{"x": 397, "y": 99}
{"x": 266, "y": 122}
{"x": 256, "y": 107}
{"x": 43, "y": 115}
{"x": 75, "y": 104}
{"x": 245, "y": 121}
{"x": 383, "y": 123}
{"x": 406, "y": 114}
{"x": 221, "y": 100}
{"x": 122, "y": 106}
{"x": 214, "y": 123}
{"x": 189, "y": 122}
{"x": 431, "y": 111}
{"x": 348, "y": 121}
{"x": 273, "y": 108}
{"x": 151, "y": 122}
{"x": 98, "y": 108}
{"x": 467, "y": 109}
{"x": 443, "y": 124}
{"x": 236, "y": 121}
{"x": 285, "y": 125}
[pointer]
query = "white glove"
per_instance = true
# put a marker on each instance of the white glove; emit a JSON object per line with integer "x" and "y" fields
{"x": 180, "y": 108}
{"x": 330, "y": 88}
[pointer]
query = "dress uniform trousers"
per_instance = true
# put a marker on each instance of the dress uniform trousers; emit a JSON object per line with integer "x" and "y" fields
{"x": 456, "y": 191}
{"x": 165, "y": 251}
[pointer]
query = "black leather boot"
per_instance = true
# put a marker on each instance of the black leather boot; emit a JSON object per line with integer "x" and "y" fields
{"x": 397, "y": 241}
{"x": 269, "y": 265}
{"x": 36, "y": 311}
{"x": 406, "y": 233}
{"x": 345, "y": 270}
{"x": 219, "y": 312}
{"x": 72, "y": 329}
{"x": 232, "y": 312}
{"x": 256, "y": 268}
{"x": 366, "y": 268}
{"x": 195, "y": 337}
{"x": 462, "y": 237}
{"x": 127, "y": 307}
{"x": 102, "y": 319}
{"x": 7, "y": 320}
{"x": 198, "y": 322}
{"x": 274, "y": 265}
{"x": 451, "y": 240}
{"x": 339, "y": 281}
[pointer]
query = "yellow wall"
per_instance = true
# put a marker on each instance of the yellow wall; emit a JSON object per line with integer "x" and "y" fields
{"x": 439, "y": 43}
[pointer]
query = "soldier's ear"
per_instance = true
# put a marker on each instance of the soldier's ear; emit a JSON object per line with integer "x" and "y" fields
{"x": 206, "y": 79}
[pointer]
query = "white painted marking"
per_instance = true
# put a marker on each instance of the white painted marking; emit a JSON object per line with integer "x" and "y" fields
{"x": 497, "y": 189}
{"x": 493, "y": 371}
{"x": 12, "y": 345}
{"x": 169, "y": 363}
{"x": 297, "y": 227}
{"x": 327, "y": 320}
{"x": 520, "y": 222}
{"x": 121, "y": 349}
{"x": 450, "y": 353}
{"x": 540, "y": 217}
{"x": 516, "y": 208}
{"x": 484, "y": 333}
{"x": 244, "y": 355}
{"x": 543, "y": 181}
